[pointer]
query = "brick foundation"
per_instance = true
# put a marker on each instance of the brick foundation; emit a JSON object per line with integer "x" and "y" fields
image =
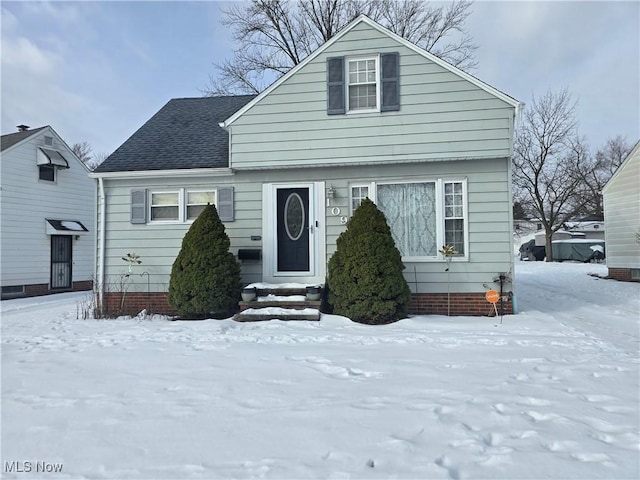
{"x": 472, "y": 304}
{"x": 135, "y": 302}
{"x": 622, "y": 274}
{"x": 38, "y": 289}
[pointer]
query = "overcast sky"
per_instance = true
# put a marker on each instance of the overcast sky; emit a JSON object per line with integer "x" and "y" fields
{"x": 96, "y": 71}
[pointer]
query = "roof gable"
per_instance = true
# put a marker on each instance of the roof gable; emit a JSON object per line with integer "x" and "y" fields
{"x": 183, "y": 134}
{"x": 634, "y": 155}
{"x": 364, "y": 20}
{"x": 11, "y": 139}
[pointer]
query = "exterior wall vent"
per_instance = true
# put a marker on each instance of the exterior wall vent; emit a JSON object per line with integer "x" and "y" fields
{"x": 48, "y": 141}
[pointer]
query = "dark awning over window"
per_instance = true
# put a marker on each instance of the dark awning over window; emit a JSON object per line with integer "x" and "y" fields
{"x": 65, "y": 227}
{"x": 47, "y": 156}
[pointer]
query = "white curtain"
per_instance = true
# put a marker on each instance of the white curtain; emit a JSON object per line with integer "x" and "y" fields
{"x": 410, "y": 209}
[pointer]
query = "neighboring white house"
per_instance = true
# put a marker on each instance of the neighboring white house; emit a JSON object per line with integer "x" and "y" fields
{"x": 621, "y": 197}
{"x": 47, "y": 203}
{"x": 366, "y": 115}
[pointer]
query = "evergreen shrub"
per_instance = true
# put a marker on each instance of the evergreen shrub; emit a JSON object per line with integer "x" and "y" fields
{"x": 365, "y": 281}
{"x": 205, "y": 277}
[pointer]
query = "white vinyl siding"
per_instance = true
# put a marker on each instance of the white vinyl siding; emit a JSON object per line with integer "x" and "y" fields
{"x": 25, "y": 203}
{"x": 622, "y": 214}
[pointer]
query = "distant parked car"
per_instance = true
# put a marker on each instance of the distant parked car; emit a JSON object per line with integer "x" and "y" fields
{"x": 529, "y": 251}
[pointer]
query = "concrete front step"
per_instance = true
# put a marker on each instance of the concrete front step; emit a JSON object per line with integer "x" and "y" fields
{"x": 277, "y": 313}
{"x": 279, "y": 303}
{"x": 265, "y": 302}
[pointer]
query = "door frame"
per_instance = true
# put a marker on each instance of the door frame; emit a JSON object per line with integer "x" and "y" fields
{"x": 317, "y": 235}
{"x": 69, "y": 264}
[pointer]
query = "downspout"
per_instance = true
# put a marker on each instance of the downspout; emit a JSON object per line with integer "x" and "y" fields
{"x": 101, "y": 257}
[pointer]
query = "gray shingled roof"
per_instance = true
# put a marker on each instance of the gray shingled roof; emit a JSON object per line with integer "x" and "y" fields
{"x": 183, "y": 134}
{"x": 11, "y": 139}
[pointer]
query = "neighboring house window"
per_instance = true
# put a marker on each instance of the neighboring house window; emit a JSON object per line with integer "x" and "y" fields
{"x": 358, "y": 194}
{"x": 424, "y": 215}
{"x": 165, "y": 206}
{"x": 47, "y": 173}
{"x": 197, "y": 200}
{"x": 454, "y": 216}
{"x": 363, "y": 84}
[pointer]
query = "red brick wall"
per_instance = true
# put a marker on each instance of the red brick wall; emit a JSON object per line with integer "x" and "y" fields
{"x": 135, "y": 302}
{"x": 622, "y": 274}
{"x": 473, "y": 304}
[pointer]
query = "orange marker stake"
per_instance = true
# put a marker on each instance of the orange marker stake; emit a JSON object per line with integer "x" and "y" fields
{"x": 492, "y": 297}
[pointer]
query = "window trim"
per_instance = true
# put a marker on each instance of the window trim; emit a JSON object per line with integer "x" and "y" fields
{"x": 465, "y": 214}
{"x": 368, "y": 185}
{"x": 347, "y": 83}
{"x": 187, "y": 204}
{"x": 51, "y": 167}
{"x": 150, "y": 206}
{"x": 440, "y": 212}
{"x": 183, "y": 195}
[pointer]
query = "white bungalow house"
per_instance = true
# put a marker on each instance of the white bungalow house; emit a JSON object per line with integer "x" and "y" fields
{"x": 48, "y": 205}
{"x": 366, "y": 115}
{"x": 621, "y": 197}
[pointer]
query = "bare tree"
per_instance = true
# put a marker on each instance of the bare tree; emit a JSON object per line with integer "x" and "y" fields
{"x": 85, "y": 153}
{"x": 547, "y": 153}
{"x": 274, "y": 36}
{"x": 596, "y": 170}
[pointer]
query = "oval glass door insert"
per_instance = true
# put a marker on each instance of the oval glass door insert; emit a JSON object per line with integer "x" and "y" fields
{"x": 294, "y": 216}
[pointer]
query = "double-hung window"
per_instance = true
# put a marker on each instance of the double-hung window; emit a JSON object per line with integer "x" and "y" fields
{"x": 180, "y": 205}
{"x": 422, "y": 215}
{"x": 165, "y": 206}
{"x": 454, "y": 216}
{"x": 197, "y": 200}
{"x": 363, "y": 83}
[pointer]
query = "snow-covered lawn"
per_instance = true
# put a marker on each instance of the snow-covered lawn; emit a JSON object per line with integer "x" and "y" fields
{"x": 552, "y": 392}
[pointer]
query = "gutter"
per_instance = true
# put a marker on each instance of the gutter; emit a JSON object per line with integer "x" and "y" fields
{"x": 102, "y": 220}
{"x": 185, "y": 172}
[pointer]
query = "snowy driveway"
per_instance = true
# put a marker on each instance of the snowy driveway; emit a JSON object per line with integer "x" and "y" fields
{"x": 553, "y": 392}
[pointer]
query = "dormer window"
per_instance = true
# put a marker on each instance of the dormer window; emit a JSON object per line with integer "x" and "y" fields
{"x": 363, "y": 84}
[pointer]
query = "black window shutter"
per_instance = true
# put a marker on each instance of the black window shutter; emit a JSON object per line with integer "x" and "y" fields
{"x": 390, "y": 76}
{"x": 335, "y": 86}
{"x": 138, "y": 206}
{"x": 225, "y": 204}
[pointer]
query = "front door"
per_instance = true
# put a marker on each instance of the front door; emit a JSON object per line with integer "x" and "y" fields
{"x": 293, "y": 232}
{"x": 292, "y": 225}
{"x": 61, "y": 258}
